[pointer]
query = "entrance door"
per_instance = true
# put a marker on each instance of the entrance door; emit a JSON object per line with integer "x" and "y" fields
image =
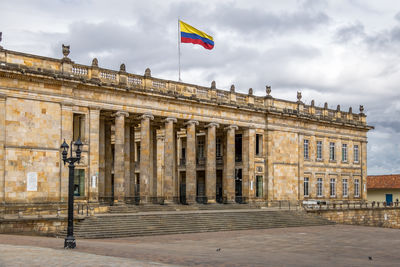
{"x": 182, "y": 188}
{"x": 218, "y": 191}
{"x": 389, "y": 199}
{"x": 112, "y": 189}
{"x": 201, "y": 188}
{"x": 238, "y": 186}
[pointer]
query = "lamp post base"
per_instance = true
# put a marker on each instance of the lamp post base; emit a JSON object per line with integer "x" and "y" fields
{"x": 69, "y": 242}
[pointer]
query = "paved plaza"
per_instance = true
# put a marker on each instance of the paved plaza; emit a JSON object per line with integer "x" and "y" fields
{"x": 333, "y": 245}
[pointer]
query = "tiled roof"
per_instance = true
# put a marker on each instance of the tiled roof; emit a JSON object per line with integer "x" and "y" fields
{"x": 383, "y": 181}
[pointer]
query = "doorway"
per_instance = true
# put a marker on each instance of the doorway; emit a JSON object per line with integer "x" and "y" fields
{"x": 218, "y": 191}
{"x": 389, "y": 199}
{"x": 182, "y": 188}
{"x": 201, "y": 188}
{"x": 238, "y": 186}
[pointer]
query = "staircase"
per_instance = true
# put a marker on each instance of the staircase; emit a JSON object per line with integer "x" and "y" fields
{"x": 163, "y": 223}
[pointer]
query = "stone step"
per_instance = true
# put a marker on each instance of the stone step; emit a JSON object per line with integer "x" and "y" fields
{"x": 190, "y": 222}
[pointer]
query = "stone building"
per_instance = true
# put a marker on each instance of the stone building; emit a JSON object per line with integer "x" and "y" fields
{"x": 159, "y": 141}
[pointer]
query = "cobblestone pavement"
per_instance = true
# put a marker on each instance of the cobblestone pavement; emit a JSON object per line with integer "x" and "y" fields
{"x": 332, "y": 245}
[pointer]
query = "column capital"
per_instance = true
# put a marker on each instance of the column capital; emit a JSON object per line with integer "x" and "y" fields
{"x": 191, "y": 122}
{"x": 171, "y": 119}
{"x": 121, "y": 113}
{"x": 94, "y": 108}
{"x": 146, "y": 116}
{"x": 212, "y": 124}
{"x": 231, "y": 127}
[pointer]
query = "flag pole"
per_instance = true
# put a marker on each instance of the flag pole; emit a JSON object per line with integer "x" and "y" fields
{"x": 179, "y": 51}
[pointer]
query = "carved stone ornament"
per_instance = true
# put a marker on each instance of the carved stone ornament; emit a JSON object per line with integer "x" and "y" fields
{"x": 122, "y": 67}
{"x": 232, "y": 88}
{"x": 312, "y": 103}
{"x": 213, "y": 85}
{"x": 65, "y": 50}
{"x": 361, "y": 109}
{"x": 268, "y": 90}
{"x": 1, "y": 36}
{"x": 350, "y": 110}
{"x": 299, "y": 96}
{"x": 326, "y": 105}
{"x": 338, "y": 108}
{"x": 147, "y": 72}
{"x": 250, "y": 91}
{"x": 95, "y": 62}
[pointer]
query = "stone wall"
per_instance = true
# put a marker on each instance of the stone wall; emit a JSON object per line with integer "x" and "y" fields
{"x": 381, "y": 217}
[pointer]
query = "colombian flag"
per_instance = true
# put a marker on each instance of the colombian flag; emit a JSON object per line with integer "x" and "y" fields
{"x": 192, "y": 35}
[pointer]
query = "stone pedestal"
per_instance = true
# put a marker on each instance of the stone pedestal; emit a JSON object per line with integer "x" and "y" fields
{"x": 211, "y": 165}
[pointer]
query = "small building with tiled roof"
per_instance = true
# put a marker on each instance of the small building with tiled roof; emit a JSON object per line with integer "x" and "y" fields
{"x": 383, "y": 187}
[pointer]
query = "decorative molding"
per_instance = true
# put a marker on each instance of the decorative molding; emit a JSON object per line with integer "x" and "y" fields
{"x": 171, "y": 119}
{"x": 231, "y": 127}
{"x": 121, "y": 113}
{"x": 191, "y": 122}
{"x": 212, "y": 124}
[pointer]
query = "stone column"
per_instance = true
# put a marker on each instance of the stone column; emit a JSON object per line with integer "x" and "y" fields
{"x": 108, "y": 160}
{"x": 269, "y": 166}
{"x": 2, "y": 145}
{"x": 119, "y": 157}
{"x": 102, "y": 161}
{"x": 94, "y": 137}
{"x": 228, "y": 182}
{"x": 145, "y": 157}
{"x": 160, "y": 166}
{"x": 170, "y": 189}
{"x": 248, "y": 151}
{"x": 211, "y": 164}
{"x": 67, "y": 118}
{"x": 132, "y": 161}
{"x": 127, "y": 159}
{"x": 191, "y": 161}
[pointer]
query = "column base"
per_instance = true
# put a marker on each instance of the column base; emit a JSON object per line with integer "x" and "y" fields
{"x": 211, "y": 201}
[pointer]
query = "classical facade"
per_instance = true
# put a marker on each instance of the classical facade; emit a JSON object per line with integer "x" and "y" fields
{"x": 150, "y": 140}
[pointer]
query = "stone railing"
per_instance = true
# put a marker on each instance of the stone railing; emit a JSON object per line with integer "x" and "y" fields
{"x": 351, "y": 205}
{"x": 121, "y": 78}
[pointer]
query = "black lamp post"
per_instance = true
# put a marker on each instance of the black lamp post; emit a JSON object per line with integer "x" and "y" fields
{"x": 70, "y": 239}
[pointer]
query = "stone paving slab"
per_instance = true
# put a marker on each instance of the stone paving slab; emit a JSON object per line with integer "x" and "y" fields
{"x": 36, "y": 256}
{"x": 332, "y": 245}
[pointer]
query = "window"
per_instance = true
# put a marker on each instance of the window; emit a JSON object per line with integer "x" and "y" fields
{"x": 319, "y": 187}
{"x": 306, "y": 149}
{"x": 332, "y": 187}
{"x": 344, "y": 152}
{"x": 345, "y": 187}
{"x": 79, "y": 127}
{"x": 331, "y": 151}
{"x": 319, "y": 150}
{"x": 356, "y": 187}
{"x": 259, "y": 186}
{"x": 200, "y": 148}
{"x": 79, "y": 182}
{"x": 137, "y": 152}
{"x": 306, "y": 186}
{"x": 356, "y": 153}
{"x": 258, "y": 144}
{"x": 218, "y": 148}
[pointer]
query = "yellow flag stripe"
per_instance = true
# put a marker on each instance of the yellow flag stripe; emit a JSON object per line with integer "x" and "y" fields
{"x": 189, "y": 29}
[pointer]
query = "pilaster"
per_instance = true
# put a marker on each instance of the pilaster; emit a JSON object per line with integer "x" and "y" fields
{"x": 119, "y": 157}
{"x": 248, "y": 150}
{"x": 132, "y": 152}
{"x": 191, "y": 161}
{"x": 2, "y": 145}
{"x": 67, "y": 134}
{"x": 94, "y": 139}
{"x": 229, "y": 165}
{"x": 211, "y": 165}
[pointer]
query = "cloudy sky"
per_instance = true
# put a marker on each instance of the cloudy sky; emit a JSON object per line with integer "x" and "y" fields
{"x": 337, "y": 51}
